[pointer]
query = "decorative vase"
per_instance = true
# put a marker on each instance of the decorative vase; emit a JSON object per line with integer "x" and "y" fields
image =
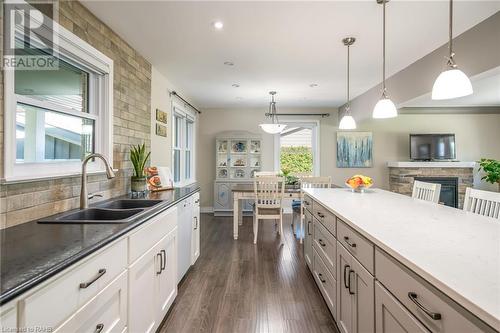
{"x": 138, "y": 184}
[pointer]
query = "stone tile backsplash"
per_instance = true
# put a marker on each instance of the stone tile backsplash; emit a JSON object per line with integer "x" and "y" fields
{"x": 22, "y": 202}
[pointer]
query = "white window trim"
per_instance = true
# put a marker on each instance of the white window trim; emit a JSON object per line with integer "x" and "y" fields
{"x": 184, "y": 113}
{"x": 315, "y": 126}
{"x": 77, "y": 51}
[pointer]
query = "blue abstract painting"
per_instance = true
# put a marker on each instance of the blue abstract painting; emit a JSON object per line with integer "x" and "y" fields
{"x": 354, "y": 150}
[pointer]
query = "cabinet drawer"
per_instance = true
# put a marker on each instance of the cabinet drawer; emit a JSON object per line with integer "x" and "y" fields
{"x": 8, "y": 317}
{"x": 400, "y": 281}
{"x": 325, "y": 281}
{"x": 325, "y": 217}
{"x": 361, "y": 248}
{"x": 325, "y": 245}
{"x": 308, "y": 203}
{"x": 391, "y": 316}
{"x": 106, "y": 313}
{"x": 150, "y": 234}
{"x": 67, "y": 293}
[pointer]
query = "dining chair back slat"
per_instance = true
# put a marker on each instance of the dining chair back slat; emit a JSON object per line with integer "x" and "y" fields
{"x": 426, "y": 191}
{"x": 484, "y": 203}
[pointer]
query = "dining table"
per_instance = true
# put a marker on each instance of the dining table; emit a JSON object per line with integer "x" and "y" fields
{"x": 246, "y": 191}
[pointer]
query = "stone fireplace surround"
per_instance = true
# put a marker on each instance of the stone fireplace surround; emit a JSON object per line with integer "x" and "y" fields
{"x": 402, "y": 175}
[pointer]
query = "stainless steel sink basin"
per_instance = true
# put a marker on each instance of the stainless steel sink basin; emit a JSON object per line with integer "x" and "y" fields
{"x": 129, "y": 204}
{"x": 96, "y": 215}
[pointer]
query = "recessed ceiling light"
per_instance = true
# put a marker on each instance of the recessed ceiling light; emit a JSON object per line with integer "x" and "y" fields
{"x": 239, "y": 97}
{"x": 218, "y": 25}
{"x": 235, "y": 85}
{"x": 228, "y": 63}
{"x": 313, "y": 85}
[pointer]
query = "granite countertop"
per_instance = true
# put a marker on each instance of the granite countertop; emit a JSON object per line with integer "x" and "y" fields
{"x": 456, "y": 251}
{"x": 31, "y": 253}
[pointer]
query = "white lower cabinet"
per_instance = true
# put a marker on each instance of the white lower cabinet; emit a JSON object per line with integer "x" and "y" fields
{"x": 105, "y": 313}
{"x": 355, "y": 294}
{"x": 195, "y": 236}
{"x": 167, "y": 278}
{"x": 391, "y": 316}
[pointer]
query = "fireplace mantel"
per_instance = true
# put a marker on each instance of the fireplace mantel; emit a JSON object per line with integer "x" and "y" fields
{"x": 423, "y": 164}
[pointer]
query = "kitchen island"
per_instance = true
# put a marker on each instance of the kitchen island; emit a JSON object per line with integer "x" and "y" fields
{"x": 452, "y": 253}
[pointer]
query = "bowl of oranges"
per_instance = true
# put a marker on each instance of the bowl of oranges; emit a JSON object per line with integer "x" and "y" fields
{"x": 358, "y": 183}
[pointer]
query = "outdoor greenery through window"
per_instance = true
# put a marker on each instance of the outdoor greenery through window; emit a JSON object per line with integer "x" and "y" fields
{"x": 296, "y": 151}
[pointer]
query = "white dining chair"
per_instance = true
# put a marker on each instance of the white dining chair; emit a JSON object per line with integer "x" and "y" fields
{"x": 309, "y": 182}
{"x": 269, "y": 193}
{"x": 484, "y": 203}
{"x": 426, "y": 191}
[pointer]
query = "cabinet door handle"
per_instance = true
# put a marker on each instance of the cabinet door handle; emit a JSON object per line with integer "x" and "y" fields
{"x": 320, "y": 241}
{"x": 346, "y": 267}
{"x": 99, "y": 328}
{"x": 306, "y": 203}
{"x": 197, "y": 201}
{"x": 413, "y": 297}
{"x": 321, "y": 215}
{"x": 158, "y": 255}
{"x": 350, "y": 291}
{"x": 100, "y": 273}
{"x": 196, "y": 220}
{"x": 346, "y": 239}
{"x": 164, "y": 259}
{"x": 321, "y": 278}
{"x": 309, "y": 228}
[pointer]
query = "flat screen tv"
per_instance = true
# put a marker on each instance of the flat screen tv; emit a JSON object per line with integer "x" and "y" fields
{"x": 432, "y": 147}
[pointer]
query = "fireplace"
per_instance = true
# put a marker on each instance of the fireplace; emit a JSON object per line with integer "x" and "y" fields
{"x": 449, "y": 189}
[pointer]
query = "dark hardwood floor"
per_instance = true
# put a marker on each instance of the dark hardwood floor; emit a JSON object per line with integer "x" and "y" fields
{"x": 236, "y": 286}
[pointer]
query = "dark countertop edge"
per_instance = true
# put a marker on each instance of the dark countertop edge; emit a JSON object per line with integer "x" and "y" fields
{"x": 11, "y": 294}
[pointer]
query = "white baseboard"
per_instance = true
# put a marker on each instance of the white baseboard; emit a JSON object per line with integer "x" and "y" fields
{"x": 207, "y": 210}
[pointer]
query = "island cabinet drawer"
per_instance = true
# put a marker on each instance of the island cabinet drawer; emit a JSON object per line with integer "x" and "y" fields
{"x": 55, "y": 302}
{"x": 360, "y": 248}
{"x": 434, "y": 309}
{"x": 325, "y": 246}
{"x": 143, "y": 239}
{"x": 325, "y": 217}
{"x": 308, "y": 203}
{"x": 326, "y": 282}
{"x": 107, "y": 312}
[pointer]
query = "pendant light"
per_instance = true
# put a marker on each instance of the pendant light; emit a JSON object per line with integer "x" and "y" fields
{"x": 273, "y": 126}
{"x": 452, "y": 82}
{"x": 384, "y": 108}
{"x": 347, "y": 122}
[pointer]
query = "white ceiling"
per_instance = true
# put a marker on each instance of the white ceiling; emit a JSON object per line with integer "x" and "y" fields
{"x": 486, "y": 87}
{"x": 283, "y": 46}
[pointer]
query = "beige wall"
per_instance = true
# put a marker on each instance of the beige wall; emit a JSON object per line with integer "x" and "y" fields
{"x": 476, "y": 136}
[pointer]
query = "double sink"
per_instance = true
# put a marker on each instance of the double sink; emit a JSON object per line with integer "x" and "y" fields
{"x": 117, "y": 211}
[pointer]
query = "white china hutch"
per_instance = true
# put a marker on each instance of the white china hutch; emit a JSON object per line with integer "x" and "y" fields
{"x": 237, "y": 158}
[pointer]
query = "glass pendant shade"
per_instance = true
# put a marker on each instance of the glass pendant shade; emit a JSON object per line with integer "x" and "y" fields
{"x": 451, "y": 83}
{"x": 385, "y": 108}
{"x": 272, "y": 128}
{"x": 347, "y": 123}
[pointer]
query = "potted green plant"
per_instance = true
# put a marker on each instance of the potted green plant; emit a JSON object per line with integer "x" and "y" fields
{"x": 491, "y": 169}
{"x": 139, "y": 157}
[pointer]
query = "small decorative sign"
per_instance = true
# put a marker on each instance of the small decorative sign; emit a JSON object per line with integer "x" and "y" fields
{"x": 161, "y": 116}
{"x": 161, "y": 130}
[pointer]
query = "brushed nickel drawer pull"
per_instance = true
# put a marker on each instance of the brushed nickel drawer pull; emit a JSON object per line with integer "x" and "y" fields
{"x": 196, "y": 219}
{"x": 346, "y": 239}
{"x": 434, "y": 315}
{"x": 321, "y": 278}
{"x": 346, "y": 267}
{"x": 320, "y": 241}
{"x": 321, "y": 215}
{"x": 158, "y": 255}
{"x": 306, "y": 203}
{"x": 164, "y": 259}
{"x": 99, "y": 328}
{"x": 308, "y": 228}
{"x": 350, "y": 291}
{"x": 100, "y": 273}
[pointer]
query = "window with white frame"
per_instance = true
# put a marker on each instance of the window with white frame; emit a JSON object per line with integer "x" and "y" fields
{"x": 183, "y": 148}
{"x": 55, "y": 117}
{"x": 296, "y": 149}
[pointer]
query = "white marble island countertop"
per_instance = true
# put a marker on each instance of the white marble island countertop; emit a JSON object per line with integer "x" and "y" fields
{"x": 456, "y": 251}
